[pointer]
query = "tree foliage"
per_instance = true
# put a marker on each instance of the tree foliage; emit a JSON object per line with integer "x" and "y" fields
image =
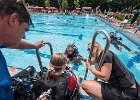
{"x": 54, "y": 3}
{"x": 64, "y": 4}
{"x": 76, "y": 3}
{"x": 47, "y": 3}
{"x": 36, "y": 2}
{"x": 104, "y": 4}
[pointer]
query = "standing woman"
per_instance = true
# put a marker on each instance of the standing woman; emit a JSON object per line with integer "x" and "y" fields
{"x": 118, "y": 83}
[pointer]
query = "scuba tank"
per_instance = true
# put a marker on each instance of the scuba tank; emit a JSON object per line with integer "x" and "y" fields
{"x": 26, "y": 73}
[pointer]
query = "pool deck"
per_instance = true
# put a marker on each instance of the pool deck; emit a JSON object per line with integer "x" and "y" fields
{"x": 127, "y": 32}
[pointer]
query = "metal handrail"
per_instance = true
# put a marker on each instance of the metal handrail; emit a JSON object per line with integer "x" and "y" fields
{"x": 38, "y": 56}
{"x": 104, "y": 52}
{"x": 49, "y": 44}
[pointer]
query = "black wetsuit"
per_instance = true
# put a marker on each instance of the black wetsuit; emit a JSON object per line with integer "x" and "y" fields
{"x": 58, "y": 87}
{"x": 115, "y": 41}
{"x": 120, "y": 81}
{"x": 73, "y": 55}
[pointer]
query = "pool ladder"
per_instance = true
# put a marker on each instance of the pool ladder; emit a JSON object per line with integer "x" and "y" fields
{"x": 104, "y": 51}
{"x": 38, "y": 56}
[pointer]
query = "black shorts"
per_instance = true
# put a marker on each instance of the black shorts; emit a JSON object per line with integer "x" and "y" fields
{"x": 110, "y": 92}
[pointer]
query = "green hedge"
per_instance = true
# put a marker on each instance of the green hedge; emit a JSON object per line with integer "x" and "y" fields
{"x": 139, "y": 18}
{"x": 121, "y": 16}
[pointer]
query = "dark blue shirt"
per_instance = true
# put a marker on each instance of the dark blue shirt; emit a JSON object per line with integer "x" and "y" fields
{"x": 5, "y": 80}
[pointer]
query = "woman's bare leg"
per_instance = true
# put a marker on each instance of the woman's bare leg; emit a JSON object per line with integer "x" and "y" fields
{"x": 92, "y": 88}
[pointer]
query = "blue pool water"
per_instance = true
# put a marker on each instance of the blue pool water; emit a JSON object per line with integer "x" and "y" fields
{"x": 60, "y": 30}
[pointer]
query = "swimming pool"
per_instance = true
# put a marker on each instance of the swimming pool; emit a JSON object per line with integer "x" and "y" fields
{"x": 60, "y": 30}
